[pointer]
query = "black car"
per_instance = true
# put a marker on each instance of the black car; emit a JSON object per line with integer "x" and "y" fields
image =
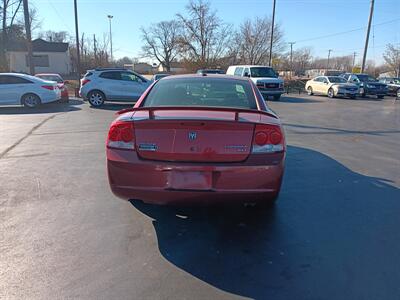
{"x": 393, "y": 85}
{"x": 367, "y": 84}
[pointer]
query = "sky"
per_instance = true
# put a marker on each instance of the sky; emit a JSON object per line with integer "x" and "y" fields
{"x": 303, "y": 21}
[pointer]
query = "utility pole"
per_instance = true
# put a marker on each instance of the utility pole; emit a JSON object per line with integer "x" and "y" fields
{"x": 371, "y": 12}
{"x": 28, "y": 37}
{"x": 95, "y": 49}
{"x": 291, "y": 58}
{"x": 109, "y": 18}
{"x": 329, "y": 56}
{"x": 272, "y": 33}
{"x": 78, "y": 55}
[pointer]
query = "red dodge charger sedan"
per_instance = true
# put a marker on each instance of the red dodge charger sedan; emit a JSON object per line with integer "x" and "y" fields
{"x": 197, "y": 139}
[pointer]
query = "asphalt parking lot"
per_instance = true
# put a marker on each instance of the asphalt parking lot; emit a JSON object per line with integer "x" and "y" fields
{"x": 334, "y": 233}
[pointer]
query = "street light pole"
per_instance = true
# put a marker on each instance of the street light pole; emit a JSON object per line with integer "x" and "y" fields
{"x": 111, "y": 53}
{"x": 371, "y": 12}
{"x": 329, "y": 56}
{"x": 78, "y": 55}
{"x": 272, "y": 33}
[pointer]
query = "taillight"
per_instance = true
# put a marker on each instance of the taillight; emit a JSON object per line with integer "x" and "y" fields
{"x": 48, "y": 87}
{"x": 268, "y": 138}
{"x": 84, "y": 81}
{"x": 121, "y": 136}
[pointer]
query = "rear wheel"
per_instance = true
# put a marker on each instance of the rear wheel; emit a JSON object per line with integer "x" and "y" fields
{"x": 310, "y": 91}
{"x": 353, "y": 97}
{"x": 30, "y": 100}
{"x": 277, "y": 97}
{"x": 331, "y": 93}
{"x": 380, "y": 96}
{"x": 96, "y": 98}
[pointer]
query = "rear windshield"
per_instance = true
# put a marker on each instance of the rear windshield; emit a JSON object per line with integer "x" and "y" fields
{"x": 51, "y": 78}
{"x": 206, "y": 92}
{"x": 262, "y": 72}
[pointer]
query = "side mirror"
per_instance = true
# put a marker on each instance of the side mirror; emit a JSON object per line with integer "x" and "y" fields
{"x": 66, "y": 82}
{"x": 246, "y": 74}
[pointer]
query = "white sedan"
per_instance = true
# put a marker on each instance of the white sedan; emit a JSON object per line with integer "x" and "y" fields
{"x": 332, "y": 86}
{"x": 30, "y": 91}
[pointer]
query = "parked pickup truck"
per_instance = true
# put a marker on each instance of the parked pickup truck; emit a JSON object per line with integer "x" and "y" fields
{"x": 265, "y": 78}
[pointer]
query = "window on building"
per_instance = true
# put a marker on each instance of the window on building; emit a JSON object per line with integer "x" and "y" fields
{"x": 39, "y": 60}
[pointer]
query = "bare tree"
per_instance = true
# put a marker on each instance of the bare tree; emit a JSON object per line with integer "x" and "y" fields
{"x": 54, "y": 36}
{"x": 161, "y": 42}
{"x": 253, "y": 41}
{"x": 392, "y": 58}
{"x": 205, "y": 37}
{"x": 8, "y": 14}
{"x": 92, "y": 54}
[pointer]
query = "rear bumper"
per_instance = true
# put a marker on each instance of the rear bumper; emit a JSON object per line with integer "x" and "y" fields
{"x": 50, "y": 97}
{"x": 150, "y": 181}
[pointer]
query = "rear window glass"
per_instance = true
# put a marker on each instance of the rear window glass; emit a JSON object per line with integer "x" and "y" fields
{"x": 111, "y": 75}
{"x": 51, "y": 78}
{"x": 212, "y": 92}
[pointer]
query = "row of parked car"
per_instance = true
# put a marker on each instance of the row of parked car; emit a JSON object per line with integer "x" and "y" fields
{"x": 352, "y": 85}
{"x": 114, "y": 84}
{"x": 118, "y": 84}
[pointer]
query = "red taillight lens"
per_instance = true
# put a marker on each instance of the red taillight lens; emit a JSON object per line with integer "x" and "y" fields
{"x": 84, "y": 81}
{"x": 261, "y": 138}
{"x": 48, "y": 87}
{"x": 268, "y": 138}
{"x": 121, "y": 136}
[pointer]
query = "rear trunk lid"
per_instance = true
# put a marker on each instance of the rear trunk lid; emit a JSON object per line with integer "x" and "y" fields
{"x": 194, "y": 135}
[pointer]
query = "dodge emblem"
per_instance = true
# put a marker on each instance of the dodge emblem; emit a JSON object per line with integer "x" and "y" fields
{"x": 192, "y": 136}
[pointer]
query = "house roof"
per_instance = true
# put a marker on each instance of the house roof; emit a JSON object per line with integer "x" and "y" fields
{"x": 38, "y": 45}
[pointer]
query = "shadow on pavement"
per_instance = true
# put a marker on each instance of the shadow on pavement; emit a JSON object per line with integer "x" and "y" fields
{"x": 72, "y": 105}
{"x": 115, "y": 106}
{"x": 334, "y": 234}
{"x": 298, "y": 99}
{"x": 330, "y": 130}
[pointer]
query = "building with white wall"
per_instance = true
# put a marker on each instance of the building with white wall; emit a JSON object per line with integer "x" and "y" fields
{"x": 48, "y": 57}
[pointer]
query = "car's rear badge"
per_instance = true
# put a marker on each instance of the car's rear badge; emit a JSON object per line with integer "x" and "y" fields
{"x": 192, "y": 136}
{"x": 148, "y": 147}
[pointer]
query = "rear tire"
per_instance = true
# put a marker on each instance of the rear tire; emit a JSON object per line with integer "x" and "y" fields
{"x": 353, "y": 97}
{"x": 277, "y": 97}
{"x": 380, "y": 97}
{"x": 30, "y": 100}
{"x": 310, "y": 91}
{"x": 331, "y": 93}
{"x": 96, "y": 98}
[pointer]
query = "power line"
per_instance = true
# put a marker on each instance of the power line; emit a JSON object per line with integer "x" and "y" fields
{"x": 345, "y": 32}
{"x": 59, "y": 15}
